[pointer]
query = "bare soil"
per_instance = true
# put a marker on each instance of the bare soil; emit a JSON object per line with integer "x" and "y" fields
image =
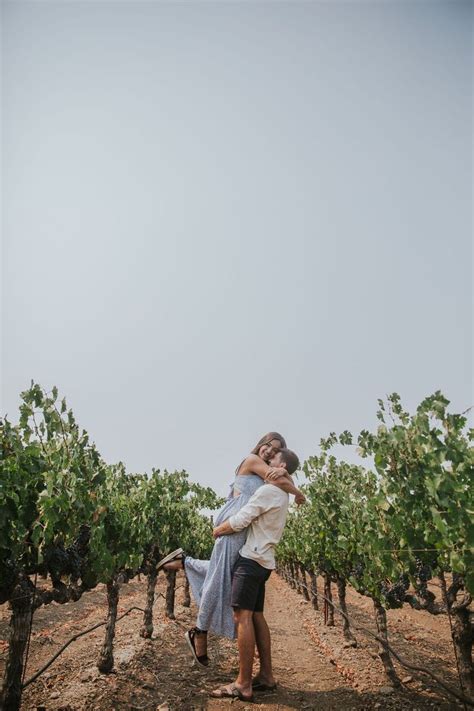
{"x": 313, "y": 668}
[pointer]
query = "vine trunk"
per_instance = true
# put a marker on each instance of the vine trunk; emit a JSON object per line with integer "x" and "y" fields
{"x": 384, "y": 654}
{"x": 147, "y": 628}
{"x": 170, "y": 593}
{"x": 106, "y": 656}
{"x": 21, "y": 603}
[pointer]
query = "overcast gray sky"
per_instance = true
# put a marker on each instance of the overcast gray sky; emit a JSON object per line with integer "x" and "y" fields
{"x": 222, "y": 218}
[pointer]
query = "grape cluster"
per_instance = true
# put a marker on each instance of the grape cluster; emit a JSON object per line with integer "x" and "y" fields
{"x": 67, "y": 561}
{"x": 395, "y": 594}
{"x": 81, "y": 544}
{"x": 56, "y": 560}
{"x": 78, "y": 552}
{"x": 423, "y": 574}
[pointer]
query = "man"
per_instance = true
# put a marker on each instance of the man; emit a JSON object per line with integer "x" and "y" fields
{"x": 265, "y": 514}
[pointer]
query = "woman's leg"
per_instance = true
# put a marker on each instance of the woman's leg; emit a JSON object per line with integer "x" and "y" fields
{"x": 174, "y": 565}
{"x": 200, "y": 641}
{"x": 196, "y": 570}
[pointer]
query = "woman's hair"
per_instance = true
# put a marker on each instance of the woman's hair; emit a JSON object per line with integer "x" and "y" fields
{"x": 290, "y": 459}
{"x": 268, "y": 438}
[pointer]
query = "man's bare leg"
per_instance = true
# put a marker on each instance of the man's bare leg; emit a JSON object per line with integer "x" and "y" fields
{"x": 246, "y": 644}
{"x": 264, "y": 646}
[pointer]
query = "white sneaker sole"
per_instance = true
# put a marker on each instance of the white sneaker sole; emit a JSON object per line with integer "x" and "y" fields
{"x": 168, "y": 558}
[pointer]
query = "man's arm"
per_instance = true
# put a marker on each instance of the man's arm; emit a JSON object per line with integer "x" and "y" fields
{"x": 285, "y": 483}
{"x": 263, "y": 500}
{"x": 225, "y": 529}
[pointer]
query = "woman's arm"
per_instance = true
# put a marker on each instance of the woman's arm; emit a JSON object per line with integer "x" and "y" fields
{"x": 253, "y": 464}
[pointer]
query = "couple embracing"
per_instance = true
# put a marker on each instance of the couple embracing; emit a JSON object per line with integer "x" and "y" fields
{"x": 230, "y": 587}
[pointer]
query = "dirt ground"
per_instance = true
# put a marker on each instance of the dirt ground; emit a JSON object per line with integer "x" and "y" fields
{"x": 313, "y": 668}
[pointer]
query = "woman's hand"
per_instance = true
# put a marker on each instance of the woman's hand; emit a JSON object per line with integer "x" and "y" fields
{"x": 223, "y": 530}
{"x": 276, "y": 474}
{"x": 300, "y": 499}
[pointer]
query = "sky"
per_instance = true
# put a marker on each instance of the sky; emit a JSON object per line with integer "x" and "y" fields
{"x": 224, "y": 218}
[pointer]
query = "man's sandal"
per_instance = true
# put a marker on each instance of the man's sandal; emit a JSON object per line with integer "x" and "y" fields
{"x": 231, "y": 692}
{"x": 178, "y": 554}
{"x": 202, "y": 659}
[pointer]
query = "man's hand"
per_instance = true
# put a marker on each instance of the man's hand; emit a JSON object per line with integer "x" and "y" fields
{"x": 300, "y": 499}
{"x": 223, "y": 530}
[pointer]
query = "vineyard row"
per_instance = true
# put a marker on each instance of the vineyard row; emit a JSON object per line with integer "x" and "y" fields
{"x": 69, "y": 520}
{"x": 393, "y": 521}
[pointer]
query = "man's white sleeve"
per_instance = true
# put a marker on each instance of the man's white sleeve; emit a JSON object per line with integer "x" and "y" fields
{"x": 263, "y": 500}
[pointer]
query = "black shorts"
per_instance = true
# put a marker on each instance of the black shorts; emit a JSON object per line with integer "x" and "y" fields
{"x": 248, "y": 585}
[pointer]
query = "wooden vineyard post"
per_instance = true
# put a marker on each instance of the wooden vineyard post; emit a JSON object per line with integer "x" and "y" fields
{"x": 106, "y": 656}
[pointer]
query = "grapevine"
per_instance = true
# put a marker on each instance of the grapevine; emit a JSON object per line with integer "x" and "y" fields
{"x": 389, "y": 530}
{"x": 67, "y": 515}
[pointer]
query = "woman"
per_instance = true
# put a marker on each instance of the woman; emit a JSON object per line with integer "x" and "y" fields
{"x": 210, "y": 580}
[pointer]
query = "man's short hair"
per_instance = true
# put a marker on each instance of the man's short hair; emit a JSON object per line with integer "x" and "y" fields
{"x": 290, "y": 459}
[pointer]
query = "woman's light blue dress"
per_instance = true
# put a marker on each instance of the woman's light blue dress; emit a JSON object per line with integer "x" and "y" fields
{"x": 211, "y": 580}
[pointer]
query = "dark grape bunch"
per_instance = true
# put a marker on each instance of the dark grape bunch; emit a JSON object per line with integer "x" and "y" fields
{"x": 423, "y": 574}
{"x": 61, "y": 561}
{"x": 57, "y": 562}
{"x": 358, "y": 571}
{"x": 81, "y": 544}
{"x": 79, "y": 551}
{"x": 395, "y": 594}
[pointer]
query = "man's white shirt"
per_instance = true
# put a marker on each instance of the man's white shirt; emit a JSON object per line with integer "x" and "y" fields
{"x": 265, "y": 513}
